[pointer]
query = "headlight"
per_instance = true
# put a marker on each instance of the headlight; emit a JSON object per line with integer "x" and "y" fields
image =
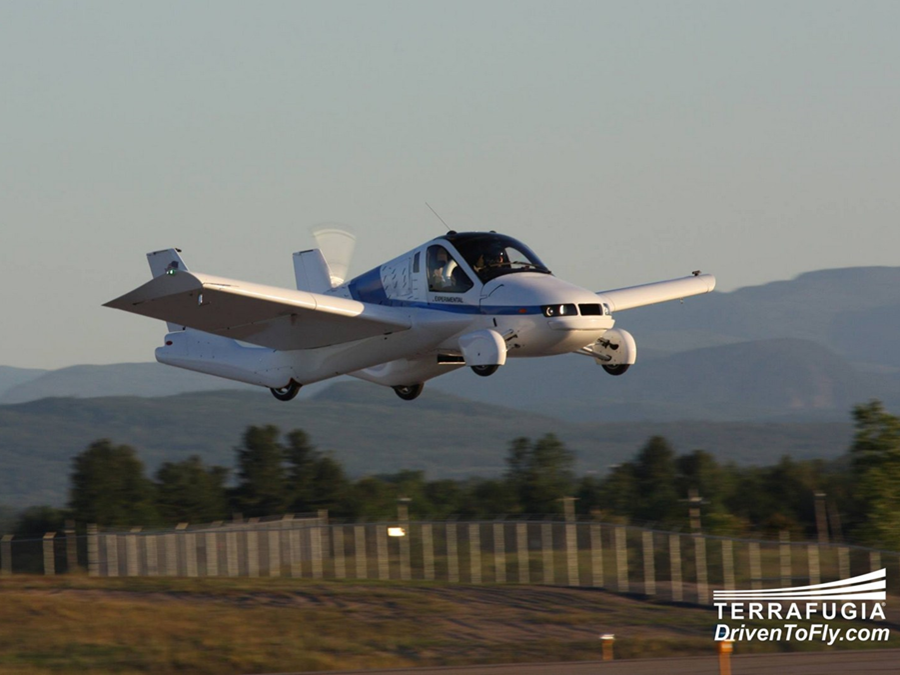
{"x": 559, "y": 310}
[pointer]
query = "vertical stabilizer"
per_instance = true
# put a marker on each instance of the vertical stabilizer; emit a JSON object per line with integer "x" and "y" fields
{"x": 167, "y": 262}
{"x": 312, "y": 272}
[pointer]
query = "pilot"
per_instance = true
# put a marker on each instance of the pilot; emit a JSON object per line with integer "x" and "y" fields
{"x": 493, "y": 257}
{"x": 441, "y": 259}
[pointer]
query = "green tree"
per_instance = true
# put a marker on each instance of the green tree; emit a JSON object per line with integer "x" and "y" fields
{"x": 875, "y": 456}
{"x": 540, "y": 474}
{"x": 654, "y": 476}
{"x": 108, "y": 487}
{"x": 189, "y": 491}
{"x": 262, "y": 488}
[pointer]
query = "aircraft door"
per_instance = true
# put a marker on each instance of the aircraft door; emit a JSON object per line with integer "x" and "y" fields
{"x": 447, "y": 281}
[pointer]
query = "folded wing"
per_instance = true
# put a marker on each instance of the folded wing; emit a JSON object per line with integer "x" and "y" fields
{"x": 268, "y": 316}
{"x": 661, "y": 291}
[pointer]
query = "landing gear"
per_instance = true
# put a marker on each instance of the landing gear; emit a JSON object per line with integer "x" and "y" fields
{"x": 288, "y": 392}
{"x": 617, "y": 370}
{"x": 409, "y": 392}
{"x": 485, "y": 371}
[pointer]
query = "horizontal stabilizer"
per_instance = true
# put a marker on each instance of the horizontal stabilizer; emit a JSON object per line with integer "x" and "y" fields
{"x": 661, "y": 291}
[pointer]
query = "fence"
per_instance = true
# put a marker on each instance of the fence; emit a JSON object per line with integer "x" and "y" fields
{"x": 669, "y": 565}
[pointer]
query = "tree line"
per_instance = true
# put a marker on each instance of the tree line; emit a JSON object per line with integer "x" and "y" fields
{"x": 857, "y": 496}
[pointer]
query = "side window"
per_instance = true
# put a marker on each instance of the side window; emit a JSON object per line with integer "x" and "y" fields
{"x": 416, "y": 263}
{"x": 444, "y": 274}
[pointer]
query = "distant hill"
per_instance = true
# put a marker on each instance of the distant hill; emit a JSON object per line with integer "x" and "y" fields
{"x": 836, "y": 308}
{"x": 119, "y": 379}
{"x": 12, "y": 377}
{"x": 369, "y": 429}
{"x": 783, "y": 380}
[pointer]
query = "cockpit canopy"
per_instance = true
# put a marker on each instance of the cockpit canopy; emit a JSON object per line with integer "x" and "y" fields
{"x": 491, "y": 255}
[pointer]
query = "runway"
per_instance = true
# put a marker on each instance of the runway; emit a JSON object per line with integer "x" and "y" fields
{"x": 814, "y": 663}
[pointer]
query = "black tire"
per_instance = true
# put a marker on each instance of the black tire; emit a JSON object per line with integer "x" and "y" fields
{"x": 286, "y": 393}
{"x": 617, "y": 370}
{"x": 485, "y": 371}
{"x": 409, "y": 392}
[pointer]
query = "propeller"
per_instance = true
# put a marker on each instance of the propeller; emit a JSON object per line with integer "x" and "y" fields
{"x": 336, "y": 242}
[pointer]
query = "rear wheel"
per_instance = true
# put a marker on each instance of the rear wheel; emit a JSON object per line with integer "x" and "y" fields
{"x": 617, "y": 370}
{"x": 485, "y": 371}
{"x": 409, "y": 392}
{"x": 286, "y": 393}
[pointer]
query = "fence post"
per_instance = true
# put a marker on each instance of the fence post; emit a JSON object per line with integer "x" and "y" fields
{"x": 785, "y": 557}
{"x": 728, "y": 564}
{"x": 812, "y": 557}
{"x": 382, "y": 552}
{"x": 547, "y": 552}
{"x": 274, "y": 536}
{"x": 210, "y": 543}
{"x": 112, "y": 555}
{"x": 132, "y": 565}
{"x": 649, "y": 564}
{"x": 337, "y": 542}
{"x": 452, "y": 553}
{"x": 170, "y": 555}
{"x": 295, "y": 548}
{"x": 359, "y": 551}
{"x": 522, "y": 553}
{"x": 315, "y": 552}
{"x": 621, "y": 560}
{"x": 499, "y": 553}
{"x": 702, "y": 574}
{"x": 231, "y": 554}
{"x": 71, "y": 548}
{"x": 675, "y": 565}
{"x": 755, "y": 565}
{"x": 427, "y": 551}
{"x": 190, "y": 554}
{"x": 49, "y": 554}
{"x": 844, "y": 561}
{"x": 475, "y": 552}
{"x": 152, "y": 555}
{"x": 93, "y": 550}
{"x": 6, "y": 554}
{"x": 252, "y": 540}
{"x": 874, "y": 560}
{"x": 596, "y": 555}
{"x": 571, "y": 541}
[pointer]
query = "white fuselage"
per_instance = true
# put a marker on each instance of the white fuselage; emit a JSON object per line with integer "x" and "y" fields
{"x": 440, "y": 314}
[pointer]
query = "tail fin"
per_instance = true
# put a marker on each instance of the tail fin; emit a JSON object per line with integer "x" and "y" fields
{"x": 167, "y": 262}
{"x": 312, "y": 272}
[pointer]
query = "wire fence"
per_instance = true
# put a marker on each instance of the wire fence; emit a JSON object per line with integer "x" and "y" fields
{"x": 672, "y": 566}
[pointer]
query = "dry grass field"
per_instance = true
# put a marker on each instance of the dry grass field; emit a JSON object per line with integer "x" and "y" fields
{"x": 75, "y": 624}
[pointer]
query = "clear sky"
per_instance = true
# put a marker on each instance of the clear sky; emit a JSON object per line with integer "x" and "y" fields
{"x": 623, "y": 141}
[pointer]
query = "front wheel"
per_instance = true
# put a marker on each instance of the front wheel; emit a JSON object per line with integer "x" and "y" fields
{"x": 617, "y": 370}
{"x": 485, "y": 371}
{"x": 409, "y": 392}
{"x": 288, "y": 392}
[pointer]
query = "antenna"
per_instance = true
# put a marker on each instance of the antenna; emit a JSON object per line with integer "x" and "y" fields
{"x": 438, "y": 217}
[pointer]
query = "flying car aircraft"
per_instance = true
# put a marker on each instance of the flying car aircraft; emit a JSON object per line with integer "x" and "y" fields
{"x": 463, "y": 299}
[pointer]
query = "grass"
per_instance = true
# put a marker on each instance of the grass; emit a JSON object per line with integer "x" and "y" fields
{"x": 76, "y": 624}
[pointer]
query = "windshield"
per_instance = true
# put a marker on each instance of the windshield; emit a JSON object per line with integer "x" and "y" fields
{"x": 492, "y": 255}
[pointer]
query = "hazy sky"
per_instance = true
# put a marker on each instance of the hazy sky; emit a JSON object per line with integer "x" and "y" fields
{"x": 623, "y": 141}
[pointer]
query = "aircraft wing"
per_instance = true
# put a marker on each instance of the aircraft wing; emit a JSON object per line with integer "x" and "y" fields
{"x": 661, "y": 291}
{"x": 268, "y": 316}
